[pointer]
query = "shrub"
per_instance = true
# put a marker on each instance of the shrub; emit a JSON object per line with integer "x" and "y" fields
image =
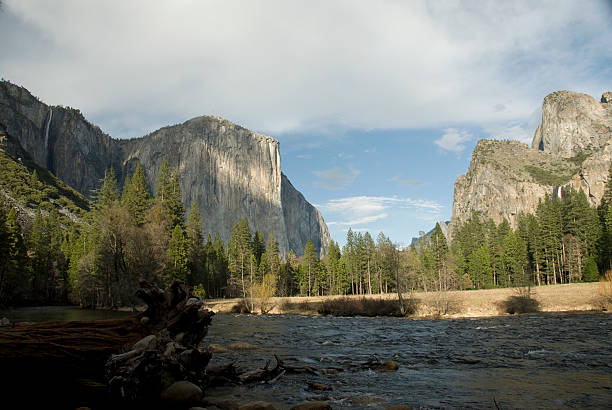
{"x": 240, "y": 307}
{"x": 366, "y": 307}
{"x": 520, "y": 304}
{"x": 302, "y": 307}
{"x": 199, "y": 291}
{"x": 264, "y": 292}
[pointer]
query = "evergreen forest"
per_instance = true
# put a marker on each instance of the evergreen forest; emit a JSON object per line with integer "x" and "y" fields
{"x": 128, "y": 234}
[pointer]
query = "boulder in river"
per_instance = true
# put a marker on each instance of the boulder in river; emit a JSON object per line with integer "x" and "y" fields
{"x": 389, "y": 366}
{"x": 182, "y": 393}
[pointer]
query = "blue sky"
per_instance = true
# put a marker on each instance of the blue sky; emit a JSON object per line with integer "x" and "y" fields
{"x": 377, "y": 104}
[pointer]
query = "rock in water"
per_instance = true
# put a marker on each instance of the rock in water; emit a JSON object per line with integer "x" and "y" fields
{"x": 181, "y": 393}
{"x": 230, "y": 172}
{"x": 389, "y": 366}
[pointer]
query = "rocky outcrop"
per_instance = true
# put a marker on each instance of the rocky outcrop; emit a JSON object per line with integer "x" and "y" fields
{"x": 572, "y": 147}
{"x": 573, "y": 123}
{"x": 229, "y": 171}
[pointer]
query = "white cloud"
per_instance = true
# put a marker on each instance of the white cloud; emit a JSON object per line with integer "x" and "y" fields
{"x": 279, "y": 66}
{"x": 454, "y": 140}
{"x": 365, "y": 220}
{"x": 512, "y": 132}
{"x": 335, "y": 178}
{"x": 360, "y": 210}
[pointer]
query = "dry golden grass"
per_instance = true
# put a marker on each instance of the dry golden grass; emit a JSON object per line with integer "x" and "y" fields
{"x": 604, "y": 297}
{"x": 470, "y": 303}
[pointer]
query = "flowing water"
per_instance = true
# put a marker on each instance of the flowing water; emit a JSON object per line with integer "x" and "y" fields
{"x": 541, "y": 361}
{"x": 547, "y": 361}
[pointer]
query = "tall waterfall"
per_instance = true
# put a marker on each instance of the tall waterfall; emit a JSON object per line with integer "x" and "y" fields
{"x": 47, "y": 129}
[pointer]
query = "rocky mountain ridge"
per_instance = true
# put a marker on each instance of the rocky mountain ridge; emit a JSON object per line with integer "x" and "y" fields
{"x": 230, "y": 172}
{"x": 572, "y": 147}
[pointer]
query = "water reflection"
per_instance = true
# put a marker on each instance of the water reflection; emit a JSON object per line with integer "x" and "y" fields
{"x": 49, "y": 313}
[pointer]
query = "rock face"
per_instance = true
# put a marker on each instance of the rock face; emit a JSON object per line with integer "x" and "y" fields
{"x": 573, "y": 123}
{"x": 229, "y": 171}
{"x": 572, "y": 147}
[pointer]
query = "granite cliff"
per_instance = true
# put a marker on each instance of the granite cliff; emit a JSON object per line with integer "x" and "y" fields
{"x": 571, "y": 147}
{"x": 229, "y": 171}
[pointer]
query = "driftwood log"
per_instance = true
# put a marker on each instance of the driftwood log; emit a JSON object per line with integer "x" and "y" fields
{"x": 64, "y": 363}
{"x": 168, "y": 356}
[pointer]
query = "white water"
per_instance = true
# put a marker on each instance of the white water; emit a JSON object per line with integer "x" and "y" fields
{"x": 47, "y": 129}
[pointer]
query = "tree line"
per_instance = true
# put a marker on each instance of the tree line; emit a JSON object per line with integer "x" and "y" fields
{"x": 130, "y": 235}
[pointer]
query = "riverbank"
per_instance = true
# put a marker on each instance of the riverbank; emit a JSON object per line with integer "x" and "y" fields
{"x": 575, "y": 297}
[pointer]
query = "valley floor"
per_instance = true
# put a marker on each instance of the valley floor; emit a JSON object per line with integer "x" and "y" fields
{"x": 578, "y": 297}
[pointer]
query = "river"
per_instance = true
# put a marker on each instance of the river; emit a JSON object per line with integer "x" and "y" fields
{"x": 541, "y": 361}
{"x": 536, "y": 361}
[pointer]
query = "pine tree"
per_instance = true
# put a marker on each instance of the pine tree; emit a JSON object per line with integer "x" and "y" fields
{"x": 198, "y": 255}
{"x": 514, "y": 256}
{"x": 272, "y": 255}
{"x": 219, "y": 265}
{"x": 581, "y": 221}
{"x": 309, "y": 264}
{"x": 239, "y": 255}
{"x": 480, "y": 270}
{"x": 168, "y": 194}
{"x": 605, "y": 215}
{"x": 258, "y": 245}
{"x": 136, "y": 197}
{"x": 288, "y": 279}
{"x": 38, "y": 244}
{"x": 548, "y": 237}
{"x": 13, "y": 259}
{"x": 336, "y": 272}
{"x": 607, "y": 238}
{"x": 368, "y": 256}
{"x": 386, "y": 265}
{"x": 109, "y": 192}
{"x": 439, "y": 249}
{"x": 349, "y": 257}
{"x": 591, "y": 274}
{"x": 178, "y": 255}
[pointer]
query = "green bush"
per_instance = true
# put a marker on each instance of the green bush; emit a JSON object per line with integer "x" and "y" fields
{"x": 590, "y": 272}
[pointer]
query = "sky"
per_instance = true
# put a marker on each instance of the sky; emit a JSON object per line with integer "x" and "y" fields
{"x": 377, "y": 104}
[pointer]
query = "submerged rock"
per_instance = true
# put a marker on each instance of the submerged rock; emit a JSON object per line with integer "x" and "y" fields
{"x": 389, "y": 366}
